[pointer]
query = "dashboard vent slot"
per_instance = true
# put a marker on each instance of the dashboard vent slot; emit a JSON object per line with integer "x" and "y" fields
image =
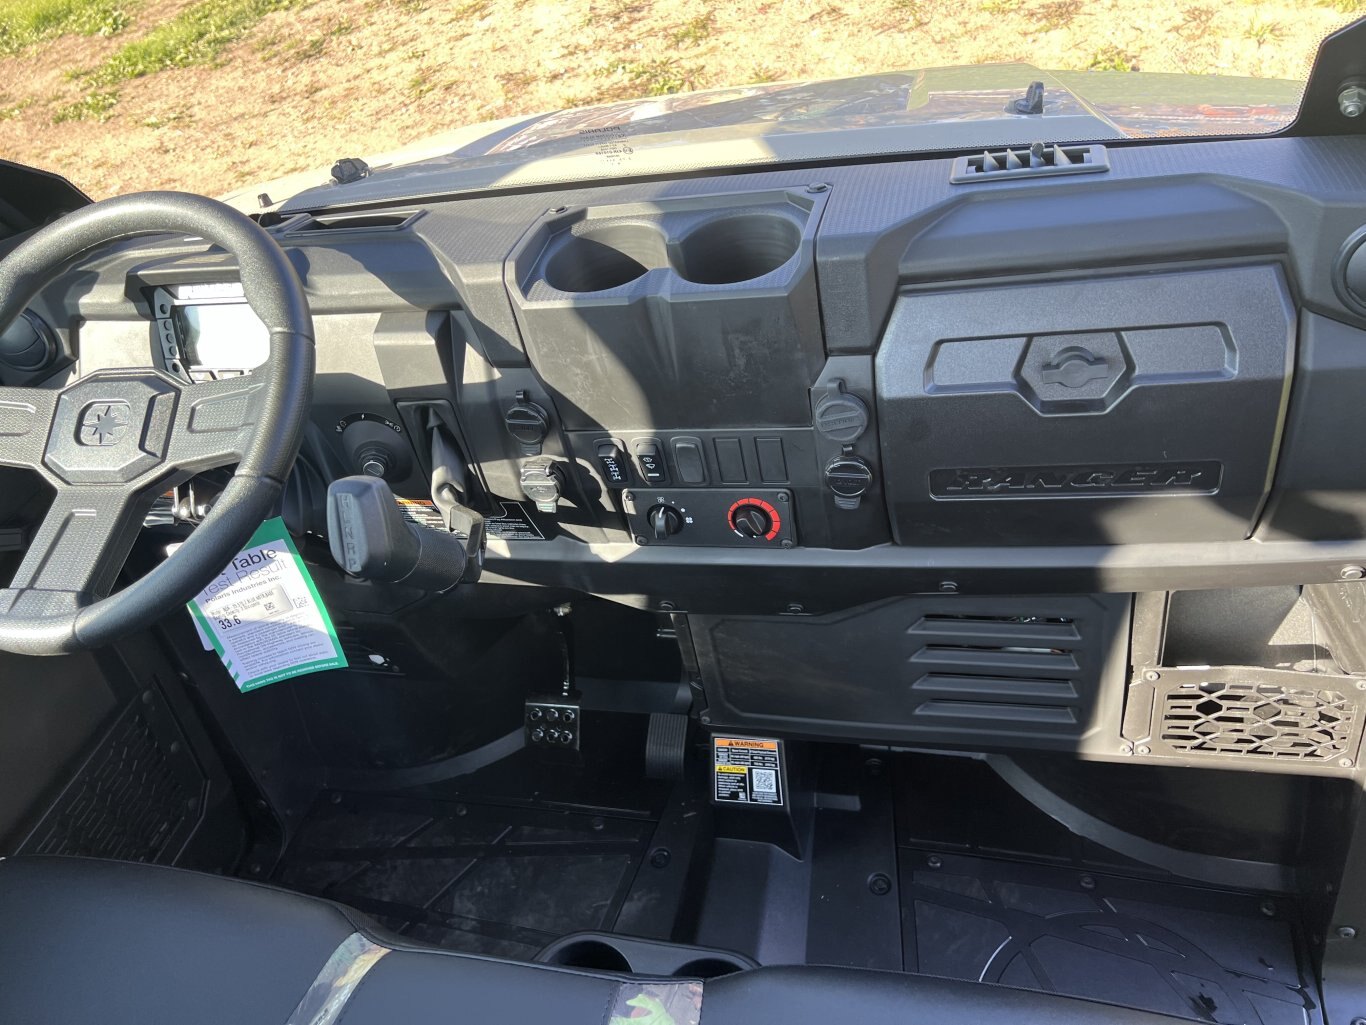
{"x": 1037, "y": 161}
{"x": 1260, "y": 720}
{"x": 978, "y": 668}
{"x": 313, "y": 225}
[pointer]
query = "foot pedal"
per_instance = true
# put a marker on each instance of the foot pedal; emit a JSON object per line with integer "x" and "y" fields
{"x": 554, "y": 723}
{"x": 666, "y": 743}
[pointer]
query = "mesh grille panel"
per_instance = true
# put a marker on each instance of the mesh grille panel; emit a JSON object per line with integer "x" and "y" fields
{"x": 1261, "y": 720}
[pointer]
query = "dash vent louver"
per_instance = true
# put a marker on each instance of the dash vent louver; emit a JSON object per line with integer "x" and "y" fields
{"x": 1037, "y": 160}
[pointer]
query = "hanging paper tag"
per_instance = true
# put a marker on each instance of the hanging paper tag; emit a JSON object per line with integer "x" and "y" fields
{"x": 263, "y": 615}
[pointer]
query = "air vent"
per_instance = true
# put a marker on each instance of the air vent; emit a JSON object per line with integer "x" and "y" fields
{"x": 1016, "y": 671}
{"x": 1036, "y": 161}
{"x": 1260, "y": 720}
{"x": 331, "y": 223}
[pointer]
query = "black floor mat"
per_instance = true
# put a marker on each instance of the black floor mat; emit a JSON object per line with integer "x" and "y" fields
{"x": 1196, "y": 953}
{"x": 482, "y": 878}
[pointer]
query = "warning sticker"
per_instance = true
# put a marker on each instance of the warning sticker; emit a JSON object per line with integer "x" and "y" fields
{"x": 748, "y": 771}
{"x": 515, "y": 524}
{"x": 421, "y": 512}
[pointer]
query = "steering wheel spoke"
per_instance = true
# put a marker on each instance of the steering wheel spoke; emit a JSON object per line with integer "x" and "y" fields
{"x": 215, "y": 423}
{"x": 82, "y": 542}
{"x": 25, "y": 420}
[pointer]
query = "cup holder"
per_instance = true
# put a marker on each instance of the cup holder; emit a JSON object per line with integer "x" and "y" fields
{"x": 604, "y": 257}
{"x": 594, "y": 955}
{"x": 737, "y": 248}
{"x": 709, "y": 968}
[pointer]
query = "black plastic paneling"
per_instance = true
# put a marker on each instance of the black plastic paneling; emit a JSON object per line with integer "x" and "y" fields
{"x": 1085, "y": 412}
{"x": 690, "y": 314}
{"x": 1027, "y": 671}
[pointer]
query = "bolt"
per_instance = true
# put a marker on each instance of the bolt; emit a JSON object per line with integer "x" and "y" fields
{"x": 704, "y": 719}
{"x": 1346, "y": 932}
{"x": 1144, "y": 749}
{"x": 557, "y": 209}
{"x": 818, "y": 187}
{"x": 934, "y": 861}
{"x": 1352, "y": 101}
{"x": 879, "y": 885}
{"x": 1268, "y": 908}
{"x": 1087, "y": 882}
{"x": 667, "y": 606}
{"x": 785, "y": 542}
{"x": 1361, "y": 685}
{"x": 948, "y": 587}
{"x": 782, "y": 496}
{"x": 795, "y": 608}
{"x": 1346, "y": 763}
{"x": 596, "y": 823}
{"x": 1152, "y": 676}
{"x": 461, "y": 811}
{"x": 629, "y": 496}
{"x": 660, "y": 857}
{"x": 640, "y": 539}
{"x": 1352, "y": 572}
{"x": 1126, "y": 749}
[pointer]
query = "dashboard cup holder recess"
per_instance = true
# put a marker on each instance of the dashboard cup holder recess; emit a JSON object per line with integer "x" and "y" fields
{"x": 634, "y": 955}
{"x": 605, "y": 256}
{"x": 736, "y": 248}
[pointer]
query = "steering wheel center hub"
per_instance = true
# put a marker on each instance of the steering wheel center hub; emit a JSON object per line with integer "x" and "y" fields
{"x": 111, "y": 427}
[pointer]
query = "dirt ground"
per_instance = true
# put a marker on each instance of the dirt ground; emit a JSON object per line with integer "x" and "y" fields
{"x": 350, "y": 77}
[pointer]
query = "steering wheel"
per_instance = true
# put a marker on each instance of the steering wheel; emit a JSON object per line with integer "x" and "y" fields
{"x": 109, "y": 443}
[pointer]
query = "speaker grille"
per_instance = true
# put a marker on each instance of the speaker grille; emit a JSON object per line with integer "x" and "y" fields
{"x": 1259, "y": 720}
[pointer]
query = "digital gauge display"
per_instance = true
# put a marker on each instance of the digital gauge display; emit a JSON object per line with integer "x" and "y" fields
{"x": 222, "y": 335}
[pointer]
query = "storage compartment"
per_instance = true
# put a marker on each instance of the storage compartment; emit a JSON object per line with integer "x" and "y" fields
{"x": 1017, "y": 671}
{"x": 611, "y": 953}
{"x": 703, "y": 309}
{"x": 1105, "y": 411}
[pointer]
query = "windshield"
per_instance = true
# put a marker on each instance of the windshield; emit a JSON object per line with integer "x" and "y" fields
{"x": 215, "y": 95}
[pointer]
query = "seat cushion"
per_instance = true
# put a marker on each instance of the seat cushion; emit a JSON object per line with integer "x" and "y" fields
{"x": 105, "y": 943}
{"x": 87, "y": 941}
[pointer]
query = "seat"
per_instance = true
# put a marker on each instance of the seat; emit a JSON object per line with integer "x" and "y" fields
{"x": 108, "y": 943}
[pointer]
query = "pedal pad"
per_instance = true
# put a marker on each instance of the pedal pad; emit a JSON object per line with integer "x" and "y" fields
{"x": 666, "y": 744}
{"x": 554, "y": 723}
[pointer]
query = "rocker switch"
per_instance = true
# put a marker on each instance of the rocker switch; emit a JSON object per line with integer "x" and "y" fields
{"x": 616, "y": 471}
{"x": 650, "y": 456}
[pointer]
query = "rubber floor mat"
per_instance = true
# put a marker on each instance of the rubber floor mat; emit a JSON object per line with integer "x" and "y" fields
{"x": 480, "y": 878}
{"x": 1197, "y": 953}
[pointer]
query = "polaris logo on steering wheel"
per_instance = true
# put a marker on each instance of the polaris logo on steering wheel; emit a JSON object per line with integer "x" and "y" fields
{"x": 104, "y": 423}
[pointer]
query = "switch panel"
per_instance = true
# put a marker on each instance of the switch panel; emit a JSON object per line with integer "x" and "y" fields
{"x": 711, "y": 517}
{"x": 650, "y": 457}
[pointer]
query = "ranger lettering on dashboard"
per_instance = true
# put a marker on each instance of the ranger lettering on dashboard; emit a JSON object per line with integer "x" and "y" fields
{"x": 1063, "y": 481}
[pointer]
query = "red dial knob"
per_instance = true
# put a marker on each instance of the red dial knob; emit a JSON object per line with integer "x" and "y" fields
{"x": 754, "y": 518}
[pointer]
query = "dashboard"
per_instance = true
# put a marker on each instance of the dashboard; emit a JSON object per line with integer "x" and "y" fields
{"x": 782, "y": 396}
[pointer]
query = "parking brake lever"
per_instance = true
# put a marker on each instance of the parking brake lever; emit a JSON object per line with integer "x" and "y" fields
{"x": 372, "y": 540}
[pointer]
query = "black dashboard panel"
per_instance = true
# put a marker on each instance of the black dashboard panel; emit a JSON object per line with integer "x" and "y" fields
{"x": 897, "y": 363}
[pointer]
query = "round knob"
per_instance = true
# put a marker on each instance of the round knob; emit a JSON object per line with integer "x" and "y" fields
{"x": 754, "y": 518}
{"x": 848, "y": 476}
{"x": 664, "y": 521}
{"x": 374, "y": 462}
{"x": 27, "y": 344}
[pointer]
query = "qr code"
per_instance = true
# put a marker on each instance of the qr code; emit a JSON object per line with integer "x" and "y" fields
{"x": 764, "y": 781}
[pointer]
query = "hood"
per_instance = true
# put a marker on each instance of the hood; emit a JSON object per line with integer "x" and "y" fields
{"x": 870, "y": 115}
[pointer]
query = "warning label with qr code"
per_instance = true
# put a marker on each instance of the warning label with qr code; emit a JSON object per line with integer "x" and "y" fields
{"x": 748, "y": 770}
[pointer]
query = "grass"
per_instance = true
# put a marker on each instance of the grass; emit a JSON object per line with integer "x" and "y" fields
{"x": 1263, "y": 32}
{"x": 25, "y": 22}
{"x": 196, "y": 35}
{"x": 694, "y": 31}
{"x": 97, "y": 106}
{"x": 660, "y": 77}
{"x": 1057, "y": 14}
{"x": 1112, "y": 58}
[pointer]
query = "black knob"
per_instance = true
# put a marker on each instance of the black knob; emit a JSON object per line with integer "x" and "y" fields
{"x": 28, "y": 343}
{"x": 528, "y": 423}
{"x": 664, "y": 521}
{"x": 750, "y": 520}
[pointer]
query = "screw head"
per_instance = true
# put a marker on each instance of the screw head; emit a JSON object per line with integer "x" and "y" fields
{"x": 1144, "y": 749}
{"x": 795, "y": 608}
{"x": 934, "y": 861}
{"x": 879, "y": 885}
{"x": 818, "y": 187}
{"x": 1346, "y": 932}
{"x": 1346, "y": 763}
{"x": 948, "y": 587}
{"x": 1088, "y": 882}
{"x": 660, "y": 857}
{"x": 1152, "y": 676}
{"x": 1352, "y": 573}
{"x": 1352, "y": 101}
{"x": 1268, "y": 908}
{"x": 667, "y": 606}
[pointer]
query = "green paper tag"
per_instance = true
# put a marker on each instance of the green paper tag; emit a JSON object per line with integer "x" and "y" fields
{"x": 263, "y": 615}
